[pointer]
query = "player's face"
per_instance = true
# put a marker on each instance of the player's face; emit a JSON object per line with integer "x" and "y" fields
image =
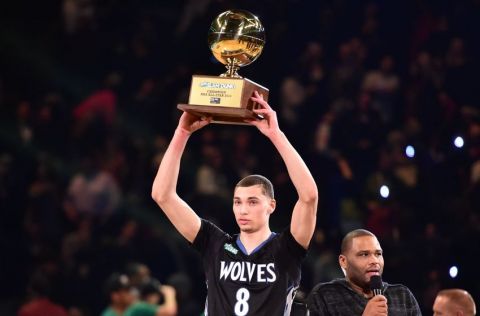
{"x": 441, "y": 307}
{"x": 362, "y": 260}
{"x": 252, "y": 208}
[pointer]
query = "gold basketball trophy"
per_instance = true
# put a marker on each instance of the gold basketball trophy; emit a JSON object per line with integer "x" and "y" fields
{"x": 236, "y": 39}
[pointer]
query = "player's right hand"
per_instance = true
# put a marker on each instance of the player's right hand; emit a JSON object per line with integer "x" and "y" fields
{"x": 190, "y": 123}
{"x": 377, "y": 306}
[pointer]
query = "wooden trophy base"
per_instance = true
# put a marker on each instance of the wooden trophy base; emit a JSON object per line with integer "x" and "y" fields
{"x": 220, "y": 115}
{"x": 226, "y": 100}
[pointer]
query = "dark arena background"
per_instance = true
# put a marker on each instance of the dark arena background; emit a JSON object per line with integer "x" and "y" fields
{"x": 381, "y": 99}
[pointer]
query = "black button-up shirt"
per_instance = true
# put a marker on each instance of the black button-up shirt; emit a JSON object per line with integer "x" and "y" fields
{"x": 337, "y": 298}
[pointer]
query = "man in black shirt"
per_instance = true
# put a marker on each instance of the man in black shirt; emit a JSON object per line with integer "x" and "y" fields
{"x": 361, "y": 258}
{"x": 257, "y": 271}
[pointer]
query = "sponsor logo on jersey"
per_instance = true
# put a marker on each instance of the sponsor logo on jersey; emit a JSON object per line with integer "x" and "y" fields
{"x": 248, "y": 271}
{"x": 230, "y": 248}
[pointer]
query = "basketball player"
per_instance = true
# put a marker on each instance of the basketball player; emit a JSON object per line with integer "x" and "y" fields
{"x": 257, "y": 271}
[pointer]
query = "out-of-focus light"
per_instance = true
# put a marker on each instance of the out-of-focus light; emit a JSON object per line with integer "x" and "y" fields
{"x": 458, "y": 142}
{"x": 410, "y": 151}
{"x": 384, "y": 191}
{"x": 453, "y": 272}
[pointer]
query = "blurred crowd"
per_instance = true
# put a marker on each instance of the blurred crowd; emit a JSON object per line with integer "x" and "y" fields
{"x": 381, "y": 98}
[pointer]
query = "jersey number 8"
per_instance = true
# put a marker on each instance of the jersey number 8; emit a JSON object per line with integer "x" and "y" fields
{"x": 241, "y": 307}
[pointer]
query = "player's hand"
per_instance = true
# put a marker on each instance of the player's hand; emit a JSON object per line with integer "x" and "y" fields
{"x": 269, "y": 124}
{"x": 190, "y": 123}
{"x": 377, "y": 306}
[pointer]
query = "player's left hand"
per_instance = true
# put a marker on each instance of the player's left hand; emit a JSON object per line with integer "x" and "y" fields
{"x": 269, "y": 124}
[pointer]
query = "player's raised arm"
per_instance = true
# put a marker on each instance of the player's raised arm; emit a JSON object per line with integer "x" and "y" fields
{"x": 164, "y": 189}
{"x": 305, "y": 211}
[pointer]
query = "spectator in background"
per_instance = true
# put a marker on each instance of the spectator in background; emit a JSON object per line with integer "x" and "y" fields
{"x": 293, "y": 96}
{"x": 101, "y": 103}
{"x": 120, "y": 293}
{"x": 40, "y": 303}
{"x": 42, "y": 222}
{"x": 243, "y": 160}
{"x": 474, "y": 188}
{"x": 188, "y": 305}
{"x": 24, "y": 126}
{"x": 210, "y": 179}
{"x": 361, "y": 258}
{"x": 454, "y": 302}
{"x": 139, "y": 273}
{"x": 78, "y": 15}
{"x": 155, "y": 300}
{"x": 383, "y": 85}
{"x": 92, "y": 192}
{"x": 212, "y": 193}
{"x": 94, "y": 118}
{"x": 348, "y": 73}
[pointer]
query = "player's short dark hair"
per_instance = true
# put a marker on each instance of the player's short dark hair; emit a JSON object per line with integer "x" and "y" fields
{"x": 256, "y": 179}
{"x": 347, "y": 240}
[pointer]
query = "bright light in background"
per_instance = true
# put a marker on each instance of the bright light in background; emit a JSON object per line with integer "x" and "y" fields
{"x": 453, "y": 272}
{"x": 384, "y": 191}
{"x": 458, "y": 142}
{"x": 410, "y": 151}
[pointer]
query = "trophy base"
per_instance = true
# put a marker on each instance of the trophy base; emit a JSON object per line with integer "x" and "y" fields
{"x": 221, "y": 115}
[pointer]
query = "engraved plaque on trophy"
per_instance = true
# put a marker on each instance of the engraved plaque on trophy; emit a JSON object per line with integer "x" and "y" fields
{"x": 236, "y": 39}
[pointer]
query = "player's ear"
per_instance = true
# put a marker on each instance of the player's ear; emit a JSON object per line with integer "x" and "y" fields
{"x": 273, "y": 205}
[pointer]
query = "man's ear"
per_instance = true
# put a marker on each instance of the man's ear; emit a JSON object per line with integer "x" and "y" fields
{"x": 273, "y": 205}
{"x": 342, "y": 261}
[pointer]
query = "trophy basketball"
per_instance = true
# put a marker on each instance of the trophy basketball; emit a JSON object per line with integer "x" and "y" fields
{"x": 236, "y": 39}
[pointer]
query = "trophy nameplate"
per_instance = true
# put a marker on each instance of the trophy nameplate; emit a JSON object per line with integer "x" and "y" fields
{"x": 225, "y": 100}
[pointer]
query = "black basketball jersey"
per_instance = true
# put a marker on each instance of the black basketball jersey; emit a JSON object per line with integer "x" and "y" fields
{"x": 262, "y": 283}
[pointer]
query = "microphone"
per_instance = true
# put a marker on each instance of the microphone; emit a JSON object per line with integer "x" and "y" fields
{"x": 376, "y": 285}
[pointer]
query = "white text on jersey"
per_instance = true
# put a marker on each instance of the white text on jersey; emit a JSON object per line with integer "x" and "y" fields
{"x": 245, "y": 271}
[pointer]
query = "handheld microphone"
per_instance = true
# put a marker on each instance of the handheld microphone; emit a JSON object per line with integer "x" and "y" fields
{"x": 376, "y": 285}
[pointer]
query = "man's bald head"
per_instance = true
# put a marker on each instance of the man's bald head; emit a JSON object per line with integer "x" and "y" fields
{"x": 454, "y": 302}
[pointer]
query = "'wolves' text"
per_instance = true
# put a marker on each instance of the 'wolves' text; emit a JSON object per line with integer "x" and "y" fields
{"x": 245, "y": 271}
